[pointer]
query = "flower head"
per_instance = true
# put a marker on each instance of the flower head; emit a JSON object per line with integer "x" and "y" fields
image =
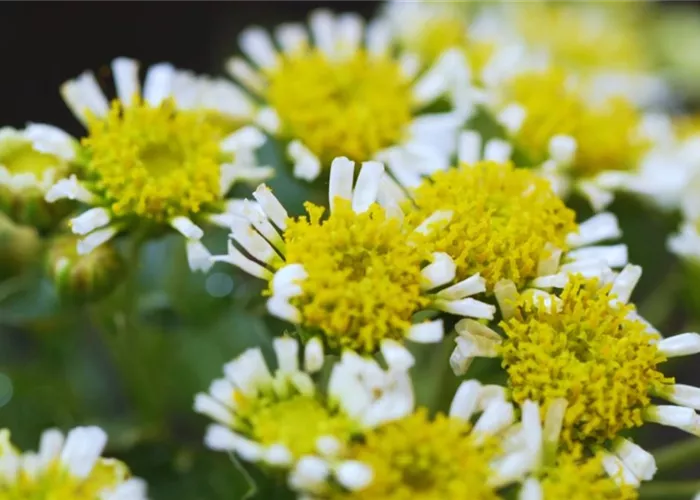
{"x": 277, "y": 418}
{"x": 588, "y": 347}
{"x": 68, "y": 468}
{"x": 346, "y": 94}
{"x": 31, "y": 160}
{"x": 444, "y": 456}
{"x": 357, "y": 276}
{"x": 150, "y": 162}
{"x": 508, "y": 223}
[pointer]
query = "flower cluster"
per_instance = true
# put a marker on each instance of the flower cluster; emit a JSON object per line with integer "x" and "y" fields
{"x": 453, "y": 154}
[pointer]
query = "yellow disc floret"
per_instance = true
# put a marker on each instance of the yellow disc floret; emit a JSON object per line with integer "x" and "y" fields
{"x": 296, "y": 421}
{"x": 431, "y": 460}
{"x": 503, "y": 220}
{"x": 606, "y": 133}
{"x": 583, "y": 480}
{"x": 588, "y": 351}
{"x": 350, "y": 107}
{"x": 154, "y": 162}
{"x": 364, "y": 277}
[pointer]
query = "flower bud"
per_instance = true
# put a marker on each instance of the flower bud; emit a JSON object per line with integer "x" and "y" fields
{"x": 83, "y": 278}
{"x": 31, "y": 160}
{"x": 20, "y": 247}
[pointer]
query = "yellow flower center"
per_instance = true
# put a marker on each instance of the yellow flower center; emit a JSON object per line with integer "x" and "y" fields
{"x": 431, "y": 460}
{"x": 502, "y": 220}
{"x": 296, "y": 422}
{"x": 154, "y": 162}
{"x": 55, "y": 483}
{"x": 606, "y": 134}
{"x": 364, "y": 277}
{"x": 576, "y": 480}
{"x": 590, "y": 353}
{"x": 585, "y": 38}
{"x": 19, "y": 157}
{"x": 351, "y": 107}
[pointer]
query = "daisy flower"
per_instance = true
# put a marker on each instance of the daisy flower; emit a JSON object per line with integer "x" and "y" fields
{"x": 443, "y": 456}
{"x": 357, "y": 276}
{"x": 276, "y": 418}
{"x": 67, "y": 467}
{"x": 574, "y": 476}
{"x": 149, "y": 163}
{"x": 340, "y": 91}
{"x": 588, "y": 346}
{"x": 508, "y": 224}
{"x": 31, "y": 161}
{"x": 577, "y": 142}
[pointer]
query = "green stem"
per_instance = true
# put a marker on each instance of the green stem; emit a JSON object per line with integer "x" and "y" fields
{"x": 669, "y": 490}
{"x": 678, "y": 455}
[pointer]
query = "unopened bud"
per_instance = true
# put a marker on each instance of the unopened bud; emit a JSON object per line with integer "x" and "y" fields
{"x": 20, "y": 247}
{"x": 83, "y": 278}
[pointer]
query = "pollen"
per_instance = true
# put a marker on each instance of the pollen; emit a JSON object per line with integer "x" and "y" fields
{"x": 588, "y": 350}
{"x": 295, "y": 422}
{"x": 606, "y": 133}
{"x": 583, "y": 480}
{"x": 364, "y": 276}
{"x": 504, "y": 218}
{"x": 153, "y": 162}
{"x": 351, "y": 107}
{"x": 429, "y": 459}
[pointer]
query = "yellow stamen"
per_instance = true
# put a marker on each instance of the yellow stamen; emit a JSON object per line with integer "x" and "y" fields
{"x": 589, "y": 352}
{"x": 583, "y": 480}
{"x": 350, "y": 107}
{"x": 503, "y": 219}
{"x": 154, "y": 162}
{"x": 428, "y": 459}
{"x": 363, "y": 281}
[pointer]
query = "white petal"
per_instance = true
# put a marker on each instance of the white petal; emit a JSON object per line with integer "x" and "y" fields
{"x": 683, "y": 344}
{"x": 465, "y": 288}
{"x": 251, "y": 241}
{"x": 307, "y": 166}
{"x": 82, "y": 449}
{"x": 329, "y": 446}
{"x": 287, "y": 352}
{"x": 470, "y": 327}
{"x": 51, "y": 140}
{"x": 90, "y": 220}
{"x": 439, "y": 272}
{"x": 600, "y": 227}
{"x": 512, "y": 118}
{"x": 126, "y": 79}
{"x": 277, "y": 455}
{"x": 497, "y": 150}
{"x": 469, "y": 147}
{"x": 672, "y": 416}
{"x": 465, "y": 400}
{"x": 437, "y": 221}
{"x": 532, "y": 429}
{"x": 281, "y": 308}
{"x": 187, "y": 228}
{"x": 367, "y": 186}
{"x": 531, "y": 490}
{"x": 50, "y": 446}
{"x": 287, "y": 281}
{"x": 271, "y": 206}
{"x": 472, "y": 346}
{"x": 684, "y": 395}
{"x": 95, "y": 239}
{"x": 313, "y": 355}
{"x": 562, "y": 149}
{"x": 132, "y": 489}
{"x": 222, "y": 390}
{"x": 378, "y": 38}
{"x": 257, "y": 45}
{"x": 212, "y": 408}
{"x": 354, "y": 475}
{"x": 426, "y": 332}
{"x": 84, "y": 96}
{"x": 291, "y": 37}
{"x": 158, "y": 84}
{"x": 617, "y": 470}
{"x": 349, "y": 30}
{"x": 507, "y": 296}
{"x": 635, "y": 458}
{"x": 625, "y": 282}
{"x": 249, "y": 371}
{"x": 245, "y": 139}
{"x": 459, "y": 362}
{"x": 236, "y": 258}
{"x": 497, "y": 417}
{"x": 71, "y": 189}
{"x": 246, "y": 75}
{"x": 322, "y": 25}
{"x": 466, "y": 307}
{"x": 553, "y": 421}
{"x": 612, "y": 255}
{"x": 198, "y": 256}
{"x": 222, "y": 439}
{"x": 397, "y": 357}
{"x": 309, "y": 473}
{"x": 598, "y": 197}
{"x": 340, "y": 180}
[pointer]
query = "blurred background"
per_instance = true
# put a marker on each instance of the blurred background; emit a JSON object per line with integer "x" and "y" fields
{"x": 68, "y": 365}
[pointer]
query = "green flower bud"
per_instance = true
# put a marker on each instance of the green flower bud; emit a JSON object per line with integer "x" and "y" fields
{"x": 83, "y": 278}
{"x": 20, "y": 247}
{"x": 31, "y": 161}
